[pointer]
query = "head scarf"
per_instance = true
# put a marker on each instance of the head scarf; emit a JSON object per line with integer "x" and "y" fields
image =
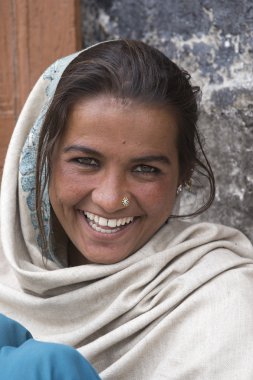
{"x": 178, "y": 308}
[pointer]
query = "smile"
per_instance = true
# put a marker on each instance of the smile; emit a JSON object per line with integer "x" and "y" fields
{"x": 107, "y": 226}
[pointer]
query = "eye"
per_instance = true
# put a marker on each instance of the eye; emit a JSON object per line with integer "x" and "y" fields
{"x": 146, "y": 169}
{"x": 87, "y": 161}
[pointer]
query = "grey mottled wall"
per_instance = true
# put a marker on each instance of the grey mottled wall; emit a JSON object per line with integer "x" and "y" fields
{"x": 213, "y": 40}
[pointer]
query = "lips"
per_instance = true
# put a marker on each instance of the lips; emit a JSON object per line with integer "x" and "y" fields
{"x": 105, "y": 225}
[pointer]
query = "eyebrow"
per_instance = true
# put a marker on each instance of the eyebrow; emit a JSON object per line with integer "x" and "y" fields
{"x": 87, "y": 150}
{"x": 152, "y": 158}
{"x": 82, "y": 149}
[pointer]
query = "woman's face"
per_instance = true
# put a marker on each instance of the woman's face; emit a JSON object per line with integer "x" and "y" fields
{"x": 111, "y": 150}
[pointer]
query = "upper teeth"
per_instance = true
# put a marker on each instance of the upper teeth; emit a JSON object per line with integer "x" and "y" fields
{"x": 108, "y": 222}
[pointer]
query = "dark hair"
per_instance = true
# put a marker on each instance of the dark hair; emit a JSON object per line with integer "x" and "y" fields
{"x": 126, "y": 69}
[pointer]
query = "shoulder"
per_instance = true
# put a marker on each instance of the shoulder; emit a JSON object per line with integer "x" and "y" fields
{"x": 214, "y": 265}
{"x": 206, "y": 236}
{"x": 215, "y": 315}
{"x": 221, "y": 259}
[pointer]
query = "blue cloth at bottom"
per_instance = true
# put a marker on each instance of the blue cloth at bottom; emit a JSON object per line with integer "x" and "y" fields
{"x": 22, "y": 357}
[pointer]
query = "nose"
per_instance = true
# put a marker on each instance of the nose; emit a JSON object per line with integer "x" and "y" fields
{"x": 110, "y": 192}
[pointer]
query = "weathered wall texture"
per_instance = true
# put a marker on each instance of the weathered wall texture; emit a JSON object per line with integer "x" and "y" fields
{"x": 213, "y": 40}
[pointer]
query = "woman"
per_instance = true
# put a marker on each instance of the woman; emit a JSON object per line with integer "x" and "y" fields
{"x": 93, "y": 252}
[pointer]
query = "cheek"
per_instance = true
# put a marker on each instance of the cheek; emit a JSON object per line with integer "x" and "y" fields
{"x": 63, "y": 187}
{"x": 158, "y": 199}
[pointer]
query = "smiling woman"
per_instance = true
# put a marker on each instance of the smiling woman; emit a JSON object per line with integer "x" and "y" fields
{"x": 90, "y": 178}
{"x": 94, "y": 249}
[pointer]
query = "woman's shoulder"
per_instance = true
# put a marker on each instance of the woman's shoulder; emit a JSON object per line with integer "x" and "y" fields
{"x": 208, "y": 282}
{"x": 209, "y": 258}
{"x": 206, "y": 237}
{"x": 219, "y": 249}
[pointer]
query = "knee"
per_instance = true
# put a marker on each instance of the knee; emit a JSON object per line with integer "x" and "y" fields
{"x": 58, "y": 361}
{"x": 12, "y": 333}
{"x": 39, "y": 360}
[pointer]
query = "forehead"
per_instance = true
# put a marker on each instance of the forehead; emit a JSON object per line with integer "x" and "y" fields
{"x": 114, "y": 121}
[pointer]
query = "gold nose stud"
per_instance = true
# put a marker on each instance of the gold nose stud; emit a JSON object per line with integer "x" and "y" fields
{"x": 125, "y": 202}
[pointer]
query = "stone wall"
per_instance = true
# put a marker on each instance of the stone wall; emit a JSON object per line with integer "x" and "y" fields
{"x": 213, "y": 40}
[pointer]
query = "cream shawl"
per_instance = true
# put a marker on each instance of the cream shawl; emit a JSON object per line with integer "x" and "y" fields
{"x": 179, "y": 308}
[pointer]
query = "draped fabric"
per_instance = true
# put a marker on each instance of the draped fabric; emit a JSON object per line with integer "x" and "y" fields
{"x": 179, "y": 308}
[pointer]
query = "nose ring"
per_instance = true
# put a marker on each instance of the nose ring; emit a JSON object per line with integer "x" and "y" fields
{"x": 125, "y": 202}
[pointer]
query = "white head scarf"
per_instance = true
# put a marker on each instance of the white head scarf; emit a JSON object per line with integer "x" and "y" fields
{"x": 178, "y": 308}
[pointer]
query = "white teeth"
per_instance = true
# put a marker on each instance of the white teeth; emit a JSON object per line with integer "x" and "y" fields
{"x": 112, "y": 223}
{"x": 99, "y": 229}
{"x": 123, "y": 221}
{"x": 90, "y": 215}
{"x": 103, "y": 222}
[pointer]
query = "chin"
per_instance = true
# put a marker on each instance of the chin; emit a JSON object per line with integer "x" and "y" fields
{"x": 107, "y": 258}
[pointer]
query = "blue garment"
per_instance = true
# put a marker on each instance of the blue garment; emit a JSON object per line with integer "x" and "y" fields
{"x": 22, "y": 357}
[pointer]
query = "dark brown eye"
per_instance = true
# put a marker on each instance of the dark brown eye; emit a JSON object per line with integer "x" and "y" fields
{"x": 146, "y": 169}
{"x": 87, "y": 161}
